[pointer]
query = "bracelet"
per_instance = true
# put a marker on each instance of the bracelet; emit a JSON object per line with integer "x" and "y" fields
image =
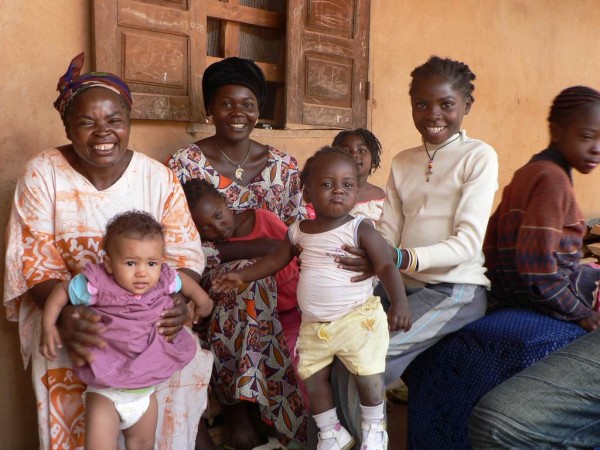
{"x": 408, "y": 259}
{"x": 398, "y": 258}
{"x": 414, "y": 262}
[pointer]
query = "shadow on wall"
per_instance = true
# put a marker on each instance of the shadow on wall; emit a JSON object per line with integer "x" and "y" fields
{"x": 16, "y": 392}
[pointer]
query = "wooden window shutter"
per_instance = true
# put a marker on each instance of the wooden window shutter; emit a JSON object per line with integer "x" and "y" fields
{"x": 253, "y": 29}
{"x": 327, "y": 70}
{"x": 159, "y": 48}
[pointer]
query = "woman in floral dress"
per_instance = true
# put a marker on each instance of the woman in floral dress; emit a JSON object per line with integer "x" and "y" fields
{"x": 252, "y": 363}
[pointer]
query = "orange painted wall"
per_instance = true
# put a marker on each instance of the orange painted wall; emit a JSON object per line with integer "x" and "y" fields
{"x": 523, "y": 52}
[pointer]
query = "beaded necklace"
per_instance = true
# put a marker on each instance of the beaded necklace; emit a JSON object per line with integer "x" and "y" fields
{"x": 430, "y": 162}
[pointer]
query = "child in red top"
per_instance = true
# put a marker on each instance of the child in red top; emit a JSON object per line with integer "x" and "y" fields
{"x": 216, "y": 222}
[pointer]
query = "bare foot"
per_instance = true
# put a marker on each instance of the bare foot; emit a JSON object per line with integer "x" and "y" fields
{"x": 241, "y": 427}
{"x": 203, "y": 439}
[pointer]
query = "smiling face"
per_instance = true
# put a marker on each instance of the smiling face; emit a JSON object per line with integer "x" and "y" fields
{"x": 333, "y": 187}
{"x": 578, "y": 138}
{"x": 135, "y": 264}
{"x": 360, "y": 152}
{"x": 437, "y": 108}
{"x": 235, "y": 111}
{"x": 213, "y": 219}
{"x": 97, "y": 123}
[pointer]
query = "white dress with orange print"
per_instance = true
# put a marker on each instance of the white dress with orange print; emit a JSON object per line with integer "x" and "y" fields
{"x": 55, "y": 228}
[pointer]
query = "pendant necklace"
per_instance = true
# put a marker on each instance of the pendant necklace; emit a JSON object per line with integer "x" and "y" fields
{"x": 430, "y": 163}
{"x": 239, "y": 172}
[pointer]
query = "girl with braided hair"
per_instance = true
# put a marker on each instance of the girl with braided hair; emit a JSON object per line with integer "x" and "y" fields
{"x": 534, "y": 239}
{"x": 533, "y": 253}
{"x": 438, "y": 202}
{"x": 366, "y": 150}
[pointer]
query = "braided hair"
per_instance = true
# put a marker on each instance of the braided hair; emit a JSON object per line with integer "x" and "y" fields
{"x": 570, "y": 100}
{"x": 133, "y": 225}
{"x": 324, "y": 152}
{"x": 458, "y": 74}
{"x": 196, "y": 189}
{"x": 370, "y": 141}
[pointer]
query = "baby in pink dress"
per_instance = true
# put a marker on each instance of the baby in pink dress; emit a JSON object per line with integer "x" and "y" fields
{"x": 129, "y": 290}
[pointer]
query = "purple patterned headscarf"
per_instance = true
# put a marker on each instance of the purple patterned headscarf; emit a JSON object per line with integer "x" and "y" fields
{"x": 72, "y": 83}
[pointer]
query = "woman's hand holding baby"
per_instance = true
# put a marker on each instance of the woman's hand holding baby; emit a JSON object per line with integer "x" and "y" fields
{"x": 172, "y": 319}
{"x": 203, "y": 305}
{"x": 81, "y": 330}
{"x": 357, "y": 263}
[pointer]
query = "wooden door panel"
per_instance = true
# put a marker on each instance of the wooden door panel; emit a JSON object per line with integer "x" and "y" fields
{"x": 158, "y": 47}
{"x": 335, "y": 17}
{"x": 155, "y": 63}
{"x": 328, "y": 79}
{"x": 328, "y": 44}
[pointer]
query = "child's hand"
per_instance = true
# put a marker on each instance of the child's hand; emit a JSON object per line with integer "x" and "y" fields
{"x": 297, "y": 251}
{"x": 50, "y": 342}
{"x": 590, "y": 323}
{"x": 226, "y": 282}
{"x": 203, "y": 307}
{"x": 399, "y": 317}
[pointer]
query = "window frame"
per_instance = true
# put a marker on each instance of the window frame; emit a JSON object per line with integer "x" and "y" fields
{"x": 132, "y": 38}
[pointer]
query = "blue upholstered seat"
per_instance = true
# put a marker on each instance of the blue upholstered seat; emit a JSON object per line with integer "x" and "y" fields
{"x": 446, "y": 381}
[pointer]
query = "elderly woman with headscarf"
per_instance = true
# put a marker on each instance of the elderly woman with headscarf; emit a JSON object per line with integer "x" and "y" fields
{"x": 252, "y": 361}
{"x": 64, "y": 198}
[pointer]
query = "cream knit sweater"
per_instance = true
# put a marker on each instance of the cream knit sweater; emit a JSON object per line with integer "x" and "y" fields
{"x": 443, "y": 220}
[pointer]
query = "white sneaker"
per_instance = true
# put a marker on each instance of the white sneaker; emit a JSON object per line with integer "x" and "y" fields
{"x": 337, "y": 438}
{"x": 374, "y": 436}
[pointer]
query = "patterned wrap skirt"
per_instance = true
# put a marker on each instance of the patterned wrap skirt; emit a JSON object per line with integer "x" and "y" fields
{"x": 252, "y": 361}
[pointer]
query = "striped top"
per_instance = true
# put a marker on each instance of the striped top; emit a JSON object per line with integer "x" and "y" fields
{"x": 533, "y": 244}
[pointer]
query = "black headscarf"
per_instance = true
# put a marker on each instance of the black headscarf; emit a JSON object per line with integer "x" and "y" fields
{"x": 234, "y": 70}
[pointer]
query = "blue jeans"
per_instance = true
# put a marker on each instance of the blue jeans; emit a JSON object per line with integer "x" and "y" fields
{"x": 555, "y": 403}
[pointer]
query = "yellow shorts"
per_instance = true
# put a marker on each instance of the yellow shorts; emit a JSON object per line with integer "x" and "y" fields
{"x": 359, "y": 339}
